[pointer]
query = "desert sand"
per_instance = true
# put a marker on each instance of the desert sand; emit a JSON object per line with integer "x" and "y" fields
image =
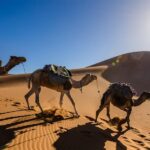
{"x": 22, "y": 129}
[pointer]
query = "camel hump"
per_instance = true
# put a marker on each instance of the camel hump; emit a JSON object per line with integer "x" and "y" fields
{"x": 123, "y": 89}
{"x": 59, "y": 70}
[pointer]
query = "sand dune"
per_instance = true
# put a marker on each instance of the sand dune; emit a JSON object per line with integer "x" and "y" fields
{"x": 23, "y": 129}
{"x": 132, "y": 68}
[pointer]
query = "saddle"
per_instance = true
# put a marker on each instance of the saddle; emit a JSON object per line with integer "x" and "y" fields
{"x": 58, "y": 76}
{"x": 58, "y": 70}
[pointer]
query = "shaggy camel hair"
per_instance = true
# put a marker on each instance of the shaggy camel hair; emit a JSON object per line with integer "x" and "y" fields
{"x": 56, "y": 82}
{"x": 13, "y": 61}
{"x": 121, "y": 96}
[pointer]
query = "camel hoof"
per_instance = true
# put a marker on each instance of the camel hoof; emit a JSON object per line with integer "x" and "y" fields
{"x": 29, "y": 108}
{"x": 76, "y": 115}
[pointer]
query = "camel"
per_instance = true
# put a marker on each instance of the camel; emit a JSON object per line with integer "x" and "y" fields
{"x": 13, "y": 61}
{"x": 56, "y": 82}
{"x": 120, "y": 95}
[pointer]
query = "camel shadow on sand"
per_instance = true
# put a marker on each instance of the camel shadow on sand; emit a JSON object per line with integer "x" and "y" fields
{"x": 87, "y": 137}
{"x": 8, "y": 131}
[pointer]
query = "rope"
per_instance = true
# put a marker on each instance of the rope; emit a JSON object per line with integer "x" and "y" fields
{"x": 80, "y": 87}
{"x": 24, "y": 71}
{"x": 23, "y": 68}
{"x": 98, "y": 91}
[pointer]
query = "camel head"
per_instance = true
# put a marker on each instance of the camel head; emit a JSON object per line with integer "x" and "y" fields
{"x": 90, "y": 76}
{"x": 94, "y": 77}
{"x": 145, "y": 95}
{"x": 17, "y": 60}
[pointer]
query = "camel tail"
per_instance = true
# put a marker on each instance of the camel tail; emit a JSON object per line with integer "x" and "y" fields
{"x": 29, "y": 81}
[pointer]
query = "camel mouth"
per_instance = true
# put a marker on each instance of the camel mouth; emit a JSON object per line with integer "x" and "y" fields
{"x": 23, "y": 59}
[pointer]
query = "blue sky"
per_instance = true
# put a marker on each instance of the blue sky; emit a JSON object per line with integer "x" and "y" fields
{"x": 72, "y": 33}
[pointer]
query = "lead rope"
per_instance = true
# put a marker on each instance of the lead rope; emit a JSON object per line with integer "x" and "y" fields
{"x": 98, "y": 91}
{"x": 23, "y": 68}
{"x": 24, "y": 71}
{"x": 80, "y": 87}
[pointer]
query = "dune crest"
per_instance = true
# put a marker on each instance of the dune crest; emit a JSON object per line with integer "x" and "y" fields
{"x": 131, "y": 68}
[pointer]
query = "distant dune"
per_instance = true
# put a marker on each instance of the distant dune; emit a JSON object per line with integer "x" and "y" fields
{"x": 131, "y": 67}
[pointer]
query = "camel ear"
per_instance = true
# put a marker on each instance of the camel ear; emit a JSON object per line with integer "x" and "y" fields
{"x": 12, "y": 57}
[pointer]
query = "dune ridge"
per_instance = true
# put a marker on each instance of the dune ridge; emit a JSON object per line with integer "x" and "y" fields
{"x": 131, "y": 68}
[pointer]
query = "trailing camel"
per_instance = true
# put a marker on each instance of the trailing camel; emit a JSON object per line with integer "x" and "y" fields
{"x": 13, "y": 61}
{"x": 121, "y": 96}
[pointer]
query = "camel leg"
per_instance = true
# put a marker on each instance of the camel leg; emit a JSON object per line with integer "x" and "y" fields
{"x": 98, "y": 111}
{"x": 104, "y": 103}
{"x": 127, "y": 119}
{"x": 72, "y": 101}
{"x": 27, "y": 97}
{"x": 108, "y": 112}
{"x": 61, "y": 99}
{"x": 37, "y": 100}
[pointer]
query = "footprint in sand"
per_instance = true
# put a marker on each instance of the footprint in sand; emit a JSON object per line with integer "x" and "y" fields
{"x": 16, "y": 104}
{"x": 147, "y": 148}
{"x": 147, "y": 139}
{"x": 8, "y": 100}
{"x": 139, "y": 142}
{"x": 142, "y": 136}
{"x": 135, "y": 130}
{"x": 135, "y": 147}
{"x": 126, "y": 139}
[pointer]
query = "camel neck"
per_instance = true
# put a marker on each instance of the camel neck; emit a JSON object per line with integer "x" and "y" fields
{"x": 83, "y": 82}
{"x": 139, "y": 101}
{"x": 9, "y": 66}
